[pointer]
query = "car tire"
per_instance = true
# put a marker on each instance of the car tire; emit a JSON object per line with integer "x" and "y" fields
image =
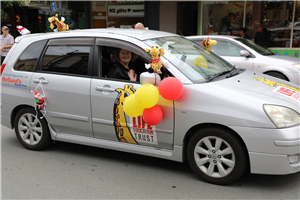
{"x": 217, "y": 156}
{"x": 31, "y": 131}
{"x": 277, "y": 75}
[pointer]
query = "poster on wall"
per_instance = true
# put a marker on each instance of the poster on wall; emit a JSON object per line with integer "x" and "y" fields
{"x": 126, "y": 11}
{"x": 98, "y": 6}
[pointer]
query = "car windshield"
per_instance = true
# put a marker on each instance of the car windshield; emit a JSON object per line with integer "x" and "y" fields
{"x": 255, "y": 47}
{"x": 197, "y": 63}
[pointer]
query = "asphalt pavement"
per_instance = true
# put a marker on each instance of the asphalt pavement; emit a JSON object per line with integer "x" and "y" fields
{"x": 70, "y": 171}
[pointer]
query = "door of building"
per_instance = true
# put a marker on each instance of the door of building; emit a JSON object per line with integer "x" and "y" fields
{"x": 187, "y": 18}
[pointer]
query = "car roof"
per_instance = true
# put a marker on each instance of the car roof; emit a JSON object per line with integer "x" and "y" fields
{"x": 211, "y": 36}
{"x": 139, "y": 34}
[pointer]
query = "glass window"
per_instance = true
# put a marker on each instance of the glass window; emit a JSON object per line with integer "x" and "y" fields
{"x": 67, "y": 59}
{"x": 255, "y": 47}
{"x": 195, "y": 62}
{"x": 223, "y": 48}
{"x": 222, "y": 17}
{"x": 30, "y": 56}
{"x": 275, "y": 17}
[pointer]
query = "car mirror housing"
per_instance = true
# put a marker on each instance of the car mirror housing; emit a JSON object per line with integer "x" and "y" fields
{"x": 244, "y": 53}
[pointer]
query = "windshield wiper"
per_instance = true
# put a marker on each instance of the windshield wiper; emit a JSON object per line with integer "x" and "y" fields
{"x": 217, "y": 75}
{"x": 232, "y": 72}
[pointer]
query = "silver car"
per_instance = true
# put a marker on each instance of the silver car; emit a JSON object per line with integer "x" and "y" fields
{"x": 246, "y": 54}
{"x": 226, "y": 121}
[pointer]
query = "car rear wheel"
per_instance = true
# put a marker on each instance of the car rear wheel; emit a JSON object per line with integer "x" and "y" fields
{"x": 277, "y": 75}
{"x": 217, "y": 156}
{"x": 31, "y": 131}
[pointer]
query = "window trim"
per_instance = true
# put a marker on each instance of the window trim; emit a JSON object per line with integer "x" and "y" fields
{"x": 68, "y": 42}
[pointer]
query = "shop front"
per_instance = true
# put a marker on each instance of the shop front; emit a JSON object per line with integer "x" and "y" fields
{"x": 126, "y": 13}
{"x": 34, "y": 15}
{"x": 280, "y": 19}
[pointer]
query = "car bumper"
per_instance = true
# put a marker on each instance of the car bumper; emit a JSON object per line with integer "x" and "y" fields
{"x": 272, "y": 151}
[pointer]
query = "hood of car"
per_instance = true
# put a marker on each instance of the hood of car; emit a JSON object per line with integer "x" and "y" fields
{"x": 256, "y": 87}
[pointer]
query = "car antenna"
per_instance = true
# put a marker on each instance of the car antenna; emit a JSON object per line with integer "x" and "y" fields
{"x": 180, "y": 33}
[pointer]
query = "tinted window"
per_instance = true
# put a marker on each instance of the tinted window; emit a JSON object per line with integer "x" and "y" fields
{"x": 30, "y": 56}
{"x": 67, "y": 59}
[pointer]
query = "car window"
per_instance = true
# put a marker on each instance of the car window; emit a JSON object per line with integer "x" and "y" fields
{"x": 109, "y": 61}
{"x": 107, "y": 49}
{"x": 66, "y": 59}
{"x": 28, "y": 59}
{"x": 224, "y": 48}
{"x": 254, "y": 46}
{"x": 195, "y": 62}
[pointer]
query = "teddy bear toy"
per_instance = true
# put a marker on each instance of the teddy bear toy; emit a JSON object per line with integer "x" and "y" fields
{"x": 156, "y": 64}
{"x": 208, "y": 43}
{"x": 61, "y": 26}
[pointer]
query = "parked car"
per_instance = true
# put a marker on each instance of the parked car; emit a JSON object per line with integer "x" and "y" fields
{"x": 246, "y": 54}
{"x": 227, "y": 119}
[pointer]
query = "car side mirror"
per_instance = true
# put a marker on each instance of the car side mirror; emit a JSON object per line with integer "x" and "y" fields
{"x": 244, "y": 53}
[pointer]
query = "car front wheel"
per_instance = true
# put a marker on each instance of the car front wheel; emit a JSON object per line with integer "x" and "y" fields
{"x": 31, "y": 131}
{"x": 217, "y": 156}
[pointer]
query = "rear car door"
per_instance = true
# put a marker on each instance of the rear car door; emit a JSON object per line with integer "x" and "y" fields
{"x": 108, "y": 95}
{"x": 64, "y": 72}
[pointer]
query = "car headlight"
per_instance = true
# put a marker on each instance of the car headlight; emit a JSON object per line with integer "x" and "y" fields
{"x": 297, "y": 66}
{"x": 282, "y": 117}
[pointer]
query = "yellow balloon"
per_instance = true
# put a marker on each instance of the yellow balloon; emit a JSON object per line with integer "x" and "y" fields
{"x": 147, "y": 95}
{"x": 131, "y": 108}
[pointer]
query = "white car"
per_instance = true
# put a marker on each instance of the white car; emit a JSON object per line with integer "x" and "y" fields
{"x": 55, "y": 88}
{"x": 246, "y": 54}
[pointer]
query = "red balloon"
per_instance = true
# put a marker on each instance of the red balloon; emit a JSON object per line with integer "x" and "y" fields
{"x": 170, "y": 88}
{"x": 153, "y": 115}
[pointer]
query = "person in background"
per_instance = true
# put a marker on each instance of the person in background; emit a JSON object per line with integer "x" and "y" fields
{"x": 140, "y": 25}
{"x": 132, "y": 26}
{"x": 210, "y": 31}
{"x": 7, "y": 41}
{"x": 111, "y": 24}
{"x": 22, "y": 30}
{"x": 243, "y": 33}
{"x": 261, "y": 37}
{"x": 123, "y": 68}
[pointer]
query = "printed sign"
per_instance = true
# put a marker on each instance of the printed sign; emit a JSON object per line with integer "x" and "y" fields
{"x": 12, "y": 80}
{"x": 53, "y": 6}
{"x": 126, "y": 11}
{"x": 142, "y": 132}
{"x": 288, "y": 92}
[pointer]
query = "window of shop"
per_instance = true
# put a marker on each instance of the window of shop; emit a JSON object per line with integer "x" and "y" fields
{"x": 36, "y": 13}
{"x": 276, "y": 18}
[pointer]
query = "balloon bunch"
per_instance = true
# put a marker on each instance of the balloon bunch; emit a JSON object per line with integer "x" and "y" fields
{"x": 146, "y": 97}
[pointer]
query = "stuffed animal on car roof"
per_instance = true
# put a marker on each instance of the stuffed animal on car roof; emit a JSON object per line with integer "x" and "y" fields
{"x": 208, "y": 43}
{"x": 61, "y": 26}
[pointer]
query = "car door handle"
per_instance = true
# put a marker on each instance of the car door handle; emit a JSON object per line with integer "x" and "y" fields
{"x": 108, "y": 89}
{"x": 42, "y": 80}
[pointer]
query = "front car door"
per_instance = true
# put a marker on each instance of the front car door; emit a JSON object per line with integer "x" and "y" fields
{"x": 64, "y": 73}
{"x": 230, "y": 51}
{"x": 108, "y": 95}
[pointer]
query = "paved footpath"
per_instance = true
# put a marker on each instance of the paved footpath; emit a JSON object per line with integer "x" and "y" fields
{"x": 69, "y": 171}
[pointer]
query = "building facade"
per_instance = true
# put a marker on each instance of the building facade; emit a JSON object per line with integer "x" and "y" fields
{"x": 280, "y": 18}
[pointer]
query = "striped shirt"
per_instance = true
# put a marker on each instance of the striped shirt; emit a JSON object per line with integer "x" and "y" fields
{"x": 6, "y": 40}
